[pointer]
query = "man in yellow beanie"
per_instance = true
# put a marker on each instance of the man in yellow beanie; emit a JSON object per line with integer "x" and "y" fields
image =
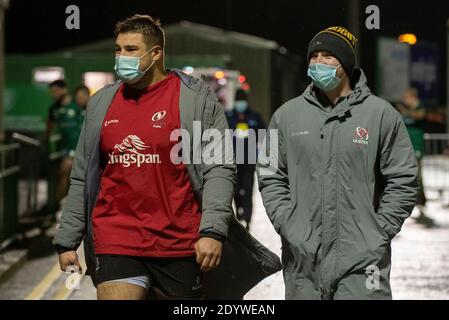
{"x": 341, "y": 180}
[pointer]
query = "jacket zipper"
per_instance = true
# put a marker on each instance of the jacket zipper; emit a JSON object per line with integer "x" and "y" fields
{"x": 337, "y": 241}
{"x": 322, "y": 196}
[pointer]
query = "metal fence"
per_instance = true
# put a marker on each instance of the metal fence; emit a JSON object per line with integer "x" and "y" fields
{"x": 54, "y": 158}
{"x": 9, "y": 169}
{"x": 30, "y": 167}
{"x": 28, "y": 181}
{"x": 435, "y": 166}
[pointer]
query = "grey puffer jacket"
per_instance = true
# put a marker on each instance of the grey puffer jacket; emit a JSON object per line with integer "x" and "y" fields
{"x": 345, "y": 182}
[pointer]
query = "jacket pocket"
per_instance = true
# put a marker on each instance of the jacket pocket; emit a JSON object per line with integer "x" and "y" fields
{"x": 377, "y": 224}
{"x": 381, "y": 226}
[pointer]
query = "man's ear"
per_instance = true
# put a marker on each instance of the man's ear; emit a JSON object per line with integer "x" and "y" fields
{"x": 341, "y": 72}
{"x": 158, "y": 53}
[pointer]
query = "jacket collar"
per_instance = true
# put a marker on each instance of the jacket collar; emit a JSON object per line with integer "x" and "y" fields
{"x": 191, "y": 82}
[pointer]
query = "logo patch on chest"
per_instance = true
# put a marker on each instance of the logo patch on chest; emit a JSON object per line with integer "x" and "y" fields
{"x": 361, "y": 136}
{"x": 130, "y": 151}
{"x": 158, "y": 119}
{"x": 300, "y": 133}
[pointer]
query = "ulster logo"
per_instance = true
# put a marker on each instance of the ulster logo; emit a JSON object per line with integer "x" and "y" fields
{"x": 361, "y": 135}
{"x": 157, "y": 117}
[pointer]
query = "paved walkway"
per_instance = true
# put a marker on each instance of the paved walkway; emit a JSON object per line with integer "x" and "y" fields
{"x": 420, "y": 256}
{"x": 420, "y": 267}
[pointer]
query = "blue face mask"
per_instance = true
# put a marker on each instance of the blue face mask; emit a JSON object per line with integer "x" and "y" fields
{"x": 128, "y": 68}
{"x": 324, "y": 76}
{"x": 241, "y": 105}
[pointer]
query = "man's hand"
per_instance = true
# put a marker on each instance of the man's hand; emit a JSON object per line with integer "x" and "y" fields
{"x": 208, "y": 253}
{"x": 69, "y": 258}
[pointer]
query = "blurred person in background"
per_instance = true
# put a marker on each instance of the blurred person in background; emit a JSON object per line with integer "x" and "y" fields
{"x": 64, "y": 118}
{"x": 414, "y": 115}
{"x": 242, "y": 119}
{"x": 82, "y": 96}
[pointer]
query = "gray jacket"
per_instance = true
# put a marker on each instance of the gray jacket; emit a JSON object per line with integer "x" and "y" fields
{"x": 345, "y": 182}
{"x": 213, "y": 185}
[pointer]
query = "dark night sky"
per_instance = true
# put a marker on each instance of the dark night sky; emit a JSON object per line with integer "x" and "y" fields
{"x": 39, "y": 26}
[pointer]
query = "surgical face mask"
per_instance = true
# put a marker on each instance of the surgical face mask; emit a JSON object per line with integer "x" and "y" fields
{"x": 128, "y": 68}
{"x": 241, "y": 105}
{"x": 324, "y": 76}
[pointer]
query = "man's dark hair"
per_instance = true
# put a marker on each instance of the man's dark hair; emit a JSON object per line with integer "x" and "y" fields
{"x": 58, "y": 83}
{"x": 146, "y": 25}
{"x": 82, "y": 88}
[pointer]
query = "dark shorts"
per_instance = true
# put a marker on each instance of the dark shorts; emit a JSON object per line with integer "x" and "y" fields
{"x": 174, "y": 277}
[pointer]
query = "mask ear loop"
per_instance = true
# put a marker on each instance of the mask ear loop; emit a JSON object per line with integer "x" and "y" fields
{"x": 154, "y": 61}
{"x": 336, "y": 70}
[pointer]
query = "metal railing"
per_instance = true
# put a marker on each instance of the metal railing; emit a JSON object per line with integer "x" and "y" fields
{"x": 29, "y": 172}
{"x": 54, "y": 158}
{"x": 9, "y": 169}
{"x": 29, "y": 154}
{"x": 435, "y": 166}
{"x": 33, "y": 160}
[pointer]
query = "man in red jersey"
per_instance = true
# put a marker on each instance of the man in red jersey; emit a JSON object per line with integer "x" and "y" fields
{"x": 146, "y": 228}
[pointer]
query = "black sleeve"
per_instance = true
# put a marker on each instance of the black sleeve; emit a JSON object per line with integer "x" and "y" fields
{"x": 214, "y": 235}
{"x": 60, "y": 249}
